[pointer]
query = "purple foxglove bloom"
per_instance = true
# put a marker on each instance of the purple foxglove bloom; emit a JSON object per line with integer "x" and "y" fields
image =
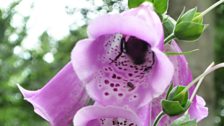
{"x": 182, "y": 76}
{"x": 110, "y": 115}
{"x": 122, "y": 63}
{"x": 58, "y": 101}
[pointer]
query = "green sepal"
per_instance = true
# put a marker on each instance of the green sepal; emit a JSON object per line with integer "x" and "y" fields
{"x": 168, "y": 25}
{"x": 169, "y": 90}
{"x": 184, "y": 121}
{"x": 173, "y": 108}
{"x": 160, "y": 6}
{"x": 176, "y": 94}
{"x": 187, "y": 16}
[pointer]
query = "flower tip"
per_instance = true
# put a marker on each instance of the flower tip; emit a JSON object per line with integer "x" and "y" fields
{"x": 26, "y": 93}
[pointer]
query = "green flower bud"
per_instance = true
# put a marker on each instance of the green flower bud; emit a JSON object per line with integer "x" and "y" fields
{"x": 176, "y": 101}
{"x": 189, "y": 25}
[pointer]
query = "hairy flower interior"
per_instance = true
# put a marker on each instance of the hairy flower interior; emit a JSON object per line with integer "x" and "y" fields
{"x": 127, "y": 65}
{"x": 116, "y": 122}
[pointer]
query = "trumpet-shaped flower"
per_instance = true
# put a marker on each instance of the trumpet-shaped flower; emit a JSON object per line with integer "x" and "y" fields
{"x": 122, "y": 67}
{"x": 122, "y": 63}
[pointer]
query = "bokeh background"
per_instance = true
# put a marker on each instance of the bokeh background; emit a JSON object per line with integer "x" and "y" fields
{"x": 37, "y": 36}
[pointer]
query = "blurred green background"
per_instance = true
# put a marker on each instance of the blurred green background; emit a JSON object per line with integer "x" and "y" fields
{"x": 33, "y": 67}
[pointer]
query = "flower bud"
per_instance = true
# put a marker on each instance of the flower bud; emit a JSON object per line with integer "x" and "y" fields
{"x": 189, "y": 25}
{"x": 176, "y": 102}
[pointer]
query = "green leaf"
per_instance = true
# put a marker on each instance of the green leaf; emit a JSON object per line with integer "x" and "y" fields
{"x": 135, "y": 3}
{"x": 180, "y": 53}
{"x": 188, "y": 30}
{"x": 160, "y": 6}
{"x": 184, "y": 121}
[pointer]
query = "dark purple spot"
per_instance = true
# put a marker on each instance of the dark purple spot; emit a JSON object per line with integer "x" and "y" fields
{"x": 106, "y": 82}
{"x": 114, "y": 76}
{"x": 118, "y": 77}
{"x": 120, "y": 94}
{"x": 117, "y": 85}
{"x": 112, "y": 84}
{"x": 106, "y": 93}
{"x": 130, "y": 74}
{"x": 110, "y": 68}
{"x": 132, "y": 124}
{"x": 115, "y": 89}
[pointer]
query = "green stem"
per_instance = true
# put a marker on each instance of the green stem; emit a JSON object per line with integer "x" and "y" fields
{"x": 169, "y": 38}
{"x": 158, "y": 118}
{"x": 209, "y": 9}
{"x": 199, "y": 84}
{"x": 207, "y": 71}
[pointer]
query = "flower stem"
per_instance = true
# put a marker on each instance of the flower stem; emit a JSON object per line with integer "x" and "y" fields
{"x": 158, "y": 118}
{"x": 169, "y": 38}
{"x": 207, "y": 71}
{"x": 200, "y": 82}
{"x": 209, "y": 9}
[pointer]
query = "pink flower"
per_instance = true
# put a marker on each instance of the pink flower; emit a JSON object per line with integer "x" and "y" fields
{"x": 121, "y": 63}
{"x": 122, "y": 68}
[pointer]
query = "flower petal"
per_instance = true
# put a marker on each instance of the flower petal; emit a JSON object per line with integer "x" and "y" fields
{"x": 58, "y": 101}
{"x": 107, "y": 116}
{"x": 198, "y": 110}
{"x": 182, "y": 74}
{"x": 141, "y": 22}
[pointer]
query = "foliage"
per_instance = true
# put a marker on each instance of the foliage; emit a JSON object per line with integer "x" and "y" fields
{"x": 26, "y": 66}
{"x": 219, "y": 57}
{"x": 29, "y": 68}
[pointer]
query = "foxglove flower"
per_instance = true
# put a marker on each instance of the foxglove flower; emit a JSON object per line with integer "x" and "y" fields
{"x": 122, "y": 67}
{"x": 110, "y": 115}
{"x": 182, "y": 76}
{"x": 122, "y": 63}
{"x": 59, "y": 100}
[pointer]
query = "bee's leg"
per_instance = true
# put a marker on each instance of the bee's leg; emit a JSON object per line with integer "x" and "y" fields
{"x": 121, "y": 50}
